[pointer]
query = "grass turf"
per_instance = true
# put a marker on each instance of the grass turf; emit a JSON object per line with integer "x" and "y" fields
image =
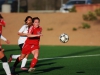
{"x": 60, "y": 66}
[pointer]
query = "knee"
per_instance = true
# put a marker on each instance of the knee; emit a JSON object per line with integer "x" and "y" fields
{"x": 26, "y": 56}
{"x": 21, "y": 58}
{"x": 4, "y": 59}
{"x": 36, "y": 56}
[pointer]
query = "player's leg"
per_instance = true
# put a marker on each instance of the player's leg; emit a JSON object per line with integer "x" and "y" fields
{"x": 34, "y": 60}
{"x": 24, "y": 60}
{"x": 5, "y": 64}
{"x": 18, "y": 60}
{"x": 24, "y": 63}
{"x": 15, "y": 56}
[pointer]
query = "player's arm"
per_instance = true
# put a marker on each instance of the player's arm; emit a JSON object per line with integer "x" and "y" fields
{"x": 20, "y": 32}
{"x": 31, "y": 35}
{"x": 4, "y": 39}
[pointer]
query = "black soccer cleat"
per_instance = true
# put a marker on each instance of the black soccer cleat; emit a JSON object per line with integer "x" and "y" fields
{"x": 14, "y": 74}
{"x": 13, "y": 71}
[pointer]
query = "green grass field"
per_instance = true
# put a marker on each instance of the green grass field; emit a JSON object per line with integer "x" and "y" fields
{"x": 61, "y": 60}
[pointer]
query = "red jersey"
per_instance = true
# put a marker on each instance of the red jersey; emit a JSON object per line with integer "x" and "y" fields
{"x": 2, "y": 23}
{"x": 34, "y": 31}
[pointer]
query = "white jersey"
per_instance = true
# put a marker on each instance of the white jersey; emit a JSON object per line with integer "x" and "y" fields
{"x": 24, "y": 29}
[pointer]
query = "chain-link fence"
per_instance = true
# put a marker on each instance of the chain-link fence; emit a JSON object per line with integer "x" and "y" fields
{"x": 45, "y": 4}
{"x": 25, "y": 5}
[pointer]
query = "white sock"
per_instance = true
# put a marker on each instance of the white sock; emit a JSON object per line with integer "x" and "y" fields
{"x": 6, "y": 68}
{"x": 15, "y": 56}
{"x": 24, "y": 62}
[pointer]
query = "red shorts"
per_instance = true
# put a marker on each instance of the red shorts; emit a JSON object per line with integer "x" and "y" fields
{"x": 28, "y": 48}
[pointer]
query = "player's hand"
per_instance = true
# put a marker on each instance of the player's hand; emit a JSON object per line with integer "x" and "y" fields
{"x": 40, "y": 34}
{"x": 8, "y": 42}
{"x": 28, "y": 34}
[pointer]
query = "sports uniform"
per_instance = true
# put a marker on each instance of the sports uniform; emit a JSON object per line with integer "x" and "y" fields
{"x": 32, "y": 43}
{"x": 21, "y": 40}
{"x": 2, "y": 23}
{"x": 4, "y": 60}
{"x": 5, "y": 64}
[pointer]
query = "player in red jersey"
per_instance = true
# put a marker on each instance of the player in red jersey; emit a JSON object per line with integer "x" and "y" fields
{"x": 3, "y": 57}
{"x": 31, "y": 45}
{"x": 23, "y": 36}
{"x": 2, "y": 23}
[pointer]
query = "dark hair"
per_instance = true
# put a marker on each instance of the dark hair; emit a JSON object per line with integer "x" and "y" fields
{"x": 27, "y": 18}
{"x": 1, "y": 16}
{"x": 33, "y": 19}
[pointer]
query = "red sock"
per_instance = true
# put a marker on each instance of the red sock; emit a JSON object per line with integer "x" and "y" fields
{"x": 33, "y": 62}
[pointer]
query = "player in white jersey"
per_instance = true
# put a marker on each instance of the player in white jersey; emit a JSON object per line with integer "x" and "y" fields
{"x": 22, "y": 33}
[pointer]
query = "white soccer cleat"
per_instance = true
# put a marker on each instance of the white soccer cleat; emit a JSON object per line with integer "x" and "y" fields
{"x": 31, "y": 69}
{"x": 23, "y": 68}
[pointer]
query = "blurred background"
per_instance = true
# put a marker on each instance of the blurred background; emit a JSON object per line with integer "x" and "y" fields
{"x": 27, "y": 5}
{"x": 80, "y": 19}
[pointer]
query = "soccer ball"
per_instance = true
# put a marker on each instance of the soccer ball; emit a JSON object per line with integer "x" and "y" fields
{"x": 64, "y": 38}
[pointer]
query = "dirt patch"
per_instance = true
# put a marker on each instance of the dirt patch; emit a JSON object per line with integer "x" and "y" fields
{"x": 61, "y": 23}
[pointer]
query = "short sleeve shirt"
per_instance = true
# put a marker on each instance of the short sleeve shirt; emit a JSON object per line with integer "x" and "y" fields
{"x": 34, "y": 31}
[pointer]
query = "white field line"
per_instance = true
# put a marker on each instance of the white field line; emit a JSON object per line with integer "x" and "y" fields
{"x": 70, "y": 57}
{"x": 65, "y": 57}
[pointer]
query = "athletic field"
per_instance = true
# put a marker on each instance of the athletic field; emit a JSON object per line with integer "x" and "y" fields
{"x": 60, "y": 60}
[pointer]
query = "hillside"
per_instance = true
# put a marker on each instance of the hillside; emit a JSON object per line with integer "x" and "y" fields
{"x": 61, "y": 23}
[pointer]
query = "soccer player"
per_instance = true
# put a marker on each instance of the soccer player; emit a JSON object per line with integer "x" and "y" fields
{"x": 23, "y": 36}
{"x": 2, "y": 23}
{"x": 31, "y": 45}
{"x": 3, "y": 58}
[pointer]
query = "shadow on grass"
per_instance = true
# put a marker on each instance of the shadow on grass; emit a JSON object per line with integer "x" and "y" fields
{"x": 2, "y": 70}
{"x": 82, "y": 52}
{"x": 48, "y": 69}
{"x": 45, "y": 64}
{"x": 2, "y": 74}
{"x": 38, "y": 65}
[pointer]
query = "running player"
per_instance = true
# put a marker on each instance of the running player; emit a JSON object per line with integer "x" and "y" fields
{"x": 3, "y": 58}
{"x": 2, "y": 23}
{"x": 23, "y": 36}
{"x": 31, "y": 45}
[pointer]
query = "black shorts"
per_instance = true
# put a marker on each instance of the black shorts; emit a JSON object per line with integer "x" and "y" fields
{"x": 21, "y": 45}
{"x": 0, "y": 35}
